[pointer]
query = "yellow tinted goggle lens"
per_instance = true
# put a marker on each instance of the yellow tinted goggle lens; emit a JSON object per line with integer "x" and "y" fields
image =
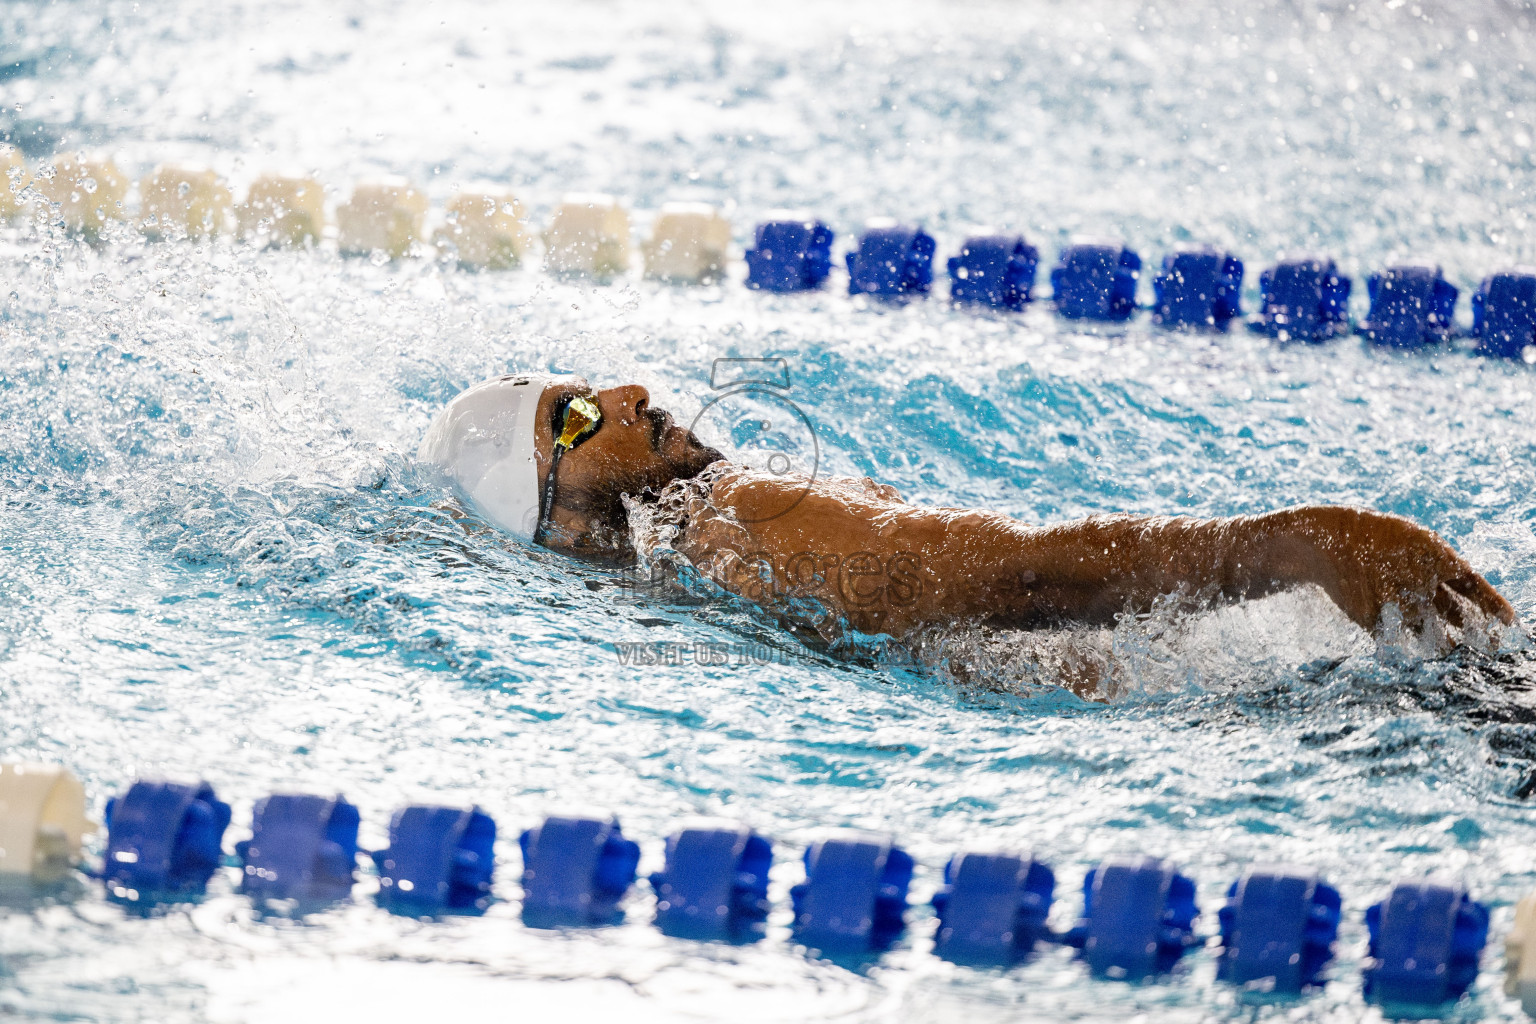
{"x": 582, "y": 418}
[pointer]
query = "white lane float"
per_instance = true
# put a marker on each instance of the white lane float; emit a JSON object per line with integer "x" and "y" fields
{"x": 178, "y": 200}
{"x": 42, "y": 821}
{"x": 484, "y": 229}
{"x": 588, "y": 237}
{"x": 1520, "y": 956}
{"x": 383, "y": 215}
{"x": 89, "y": 191}
{"x": 283, "y": 210}
{"x": 13, "y": 178}
{"x": 688, "y": 244}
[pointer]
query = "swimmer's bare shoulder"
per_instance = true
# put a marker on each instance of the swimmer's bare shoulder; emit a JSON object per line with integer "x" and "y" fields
{"x": 970, "y": 565}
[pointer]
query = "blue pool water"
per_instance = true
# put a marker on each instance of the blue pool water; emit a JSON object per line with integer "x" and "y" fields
{"x": 217, "y": 557}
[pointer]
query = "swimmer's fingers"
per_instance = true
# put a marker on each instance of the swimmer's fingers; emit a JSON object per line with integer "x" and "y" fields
{"x": 1471, "y": 585}
{"x": 1448, "y": 605}
{"x": 1460, "y": 590}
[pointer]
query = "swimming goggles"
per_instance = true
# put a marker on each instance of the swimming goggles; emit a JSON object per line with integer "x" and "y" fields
{"x": 579, "y": 420}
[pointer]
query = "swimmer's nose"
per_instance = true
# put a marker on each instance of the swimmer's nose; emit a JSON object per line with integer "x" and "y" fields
{"x": 624, "y": 404}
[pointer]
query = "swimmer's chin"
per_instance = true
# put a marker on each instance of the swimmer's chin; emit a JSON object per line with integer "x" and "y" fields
{"x": 702, "y": 460}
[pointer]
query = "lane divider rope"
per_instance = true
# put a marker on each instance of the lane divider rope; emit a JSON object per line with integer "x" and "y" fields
{"x": 1277, "y": 926}
{"x": 1304, "y": 298}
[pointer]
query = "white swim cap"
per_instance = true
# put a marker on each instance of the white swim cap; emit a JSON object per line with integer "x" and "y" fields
{"x": 483, "y": 442}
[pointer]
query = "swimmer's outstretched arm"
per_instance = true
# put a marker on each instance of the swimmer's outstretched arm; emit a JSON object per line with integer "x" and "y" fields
{"x": 1089, "y": 570}
{"x": 948, "y": 565}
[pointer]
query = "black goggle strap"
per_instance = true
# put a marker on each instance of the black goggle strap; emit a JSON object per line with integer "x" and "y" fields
{"x": 546, "y": 499}
{"x": 580, "y": 421}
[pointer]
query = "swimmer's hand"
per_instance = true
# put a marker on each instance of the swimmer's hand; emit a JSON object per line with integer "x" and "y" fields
{"x": 1367, "y": 560}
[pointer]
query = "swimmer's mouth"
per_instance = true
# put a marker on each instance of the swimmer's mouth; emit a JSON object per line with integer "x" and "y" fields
{"x": 663, "y": 429}
{"x": 661, "y": 422}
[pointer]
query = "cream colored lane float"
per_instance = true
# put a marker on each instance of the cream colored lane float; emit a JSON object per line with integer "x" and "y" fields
{"x": 383, "y": 215}
{"x": 1520, "y": 956}
{"x": 181, "y": 201}
{"x": 283, "y": 210}
{"x": 13, "y": 178}
{"x": 688, "y": 244}
{"x": 42, "y": 820}
{"x": 588, "y": 237}
{"x": 484, "y": 229}
{"x": 90, "y": 192}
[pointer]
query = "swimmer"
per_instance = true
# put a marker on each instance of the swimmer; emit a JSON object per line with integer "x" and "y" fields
{"x": 551, "y": 461}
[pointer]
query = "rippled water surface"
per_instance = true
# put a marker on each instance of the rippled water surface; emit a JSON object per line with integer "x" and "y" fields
{"x": 217, "y": 557}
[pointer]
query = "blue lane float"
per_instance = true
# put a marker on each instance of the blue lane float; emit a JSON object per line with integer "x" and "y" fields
{"x": 1504, "y": 313}
{"x": 1425, "y": 941}
{"x": 791, "y": 254}
{"x": 992, "y": 908}
{"x": 892, "y": 261}
{"x": 1138, "y": 918}
{"x": 1277, "y": 927}
{"x": 854, "y": 896}
{"x": 1304, "y": 299}
{"x": 1198, "y": 288}
{"x": 302, "y": 847}
{"x": 164, "y": 841}
{"x": 714, "y": 885}
{"x": 1096, "y": 280}
{"x": 1277, "y": 930}
{"x": 439, "y": 859}
{"x": 994, "y": 270}
{"x": 1412, "y": 305}
{"x": 575, "y": 872}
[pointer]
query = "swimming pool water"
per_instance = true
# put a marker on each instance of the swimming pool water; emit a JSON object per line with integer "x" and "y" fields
{"x": 217, "y": 557}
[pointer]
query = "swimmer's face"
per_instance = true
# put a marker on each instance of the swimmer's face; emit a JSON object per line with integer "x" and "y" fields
{"x": 636, "y": 449}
